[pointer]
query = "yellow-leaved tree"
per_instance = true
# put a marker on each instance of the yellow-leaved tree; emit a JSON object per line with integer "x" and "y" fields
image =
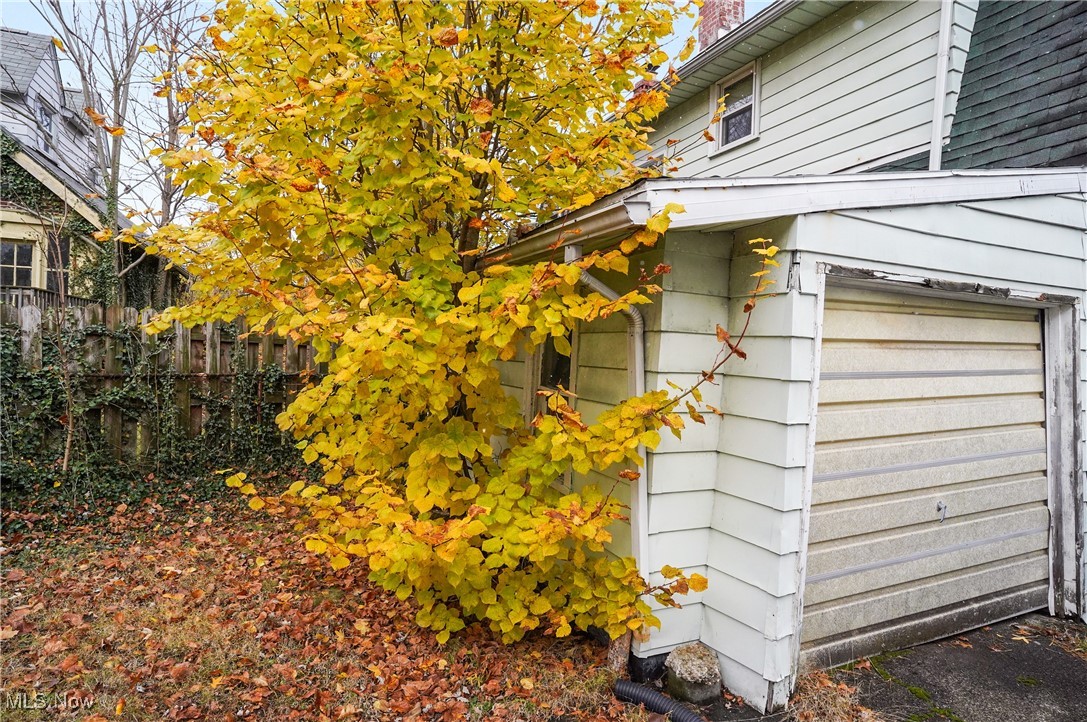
{"x": 360, "y": 160}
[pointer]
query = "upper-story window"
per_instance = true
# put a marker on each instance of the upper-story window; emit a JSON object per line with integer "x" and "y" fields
{"x": 45, "y": 121}
{"x": 736, "y": 108}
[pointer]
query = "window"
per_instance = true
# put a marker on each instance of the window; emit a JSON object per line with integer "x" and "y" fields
{"x": 555, "y": 371}
{"x": 548, "y": 370}
{"x": 554, "y": 367}
{"x": 58, "y": 257}
{"x": 16, "y": 263}
{"x": 735, "y": 110}
{"x": 45, "y": 120}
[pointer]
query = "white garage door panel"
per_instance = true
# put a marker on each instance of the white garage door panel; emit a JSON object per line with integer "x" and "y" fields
{"x": 845, "y": 519}
{"x": 865, "y": 550}
{"x": 832, "y": 490}
{"x": 932, "y": 593}
{"x": 879, "y": 325}
{"x": 918, "y": 361}
{"x": 924, "y": 404}
{"x": 922, "y": 564}
{"x": 848, "y": 460}
{"x": 893, "y": 419}
{"x": 860, "y": 389}
{"x": 849, "y": 298}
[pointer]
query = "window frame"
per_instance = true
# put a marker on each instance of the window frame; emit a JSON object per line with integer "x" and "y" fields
{"x": 534, "y": 382}
{"x": 533, "y": 404}
{"x": 754, "y": 69}
{"x": 47, "y": 123}
{"x": 16, "y": 266}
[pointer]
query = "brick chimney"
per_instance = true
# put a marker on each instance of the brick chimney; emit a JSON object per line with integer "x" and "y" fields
{"x": 718, "y": 17}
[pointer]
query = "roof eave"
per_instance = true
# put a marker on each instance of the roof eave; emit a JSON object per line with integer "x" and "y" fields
{"x": 715, "y": 202}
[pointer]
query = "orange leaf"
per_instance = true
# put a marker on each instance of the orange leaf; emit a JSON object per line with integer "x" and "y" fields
{"x": 448, "y": 38}
{"x": 180, "y": 671}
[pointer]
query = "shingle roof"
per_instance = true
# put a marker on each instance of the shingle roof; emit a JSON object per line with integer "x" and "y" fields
{"x": 21, "y": 53}
{"x": 1024, "y": 91}
{"x": 1023, "y": 102}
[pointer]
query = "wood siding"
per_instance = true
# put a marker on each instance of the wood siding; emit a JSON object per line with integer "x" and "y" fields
{"x": 758, "y": 529}
{"x": 854, "y": 89}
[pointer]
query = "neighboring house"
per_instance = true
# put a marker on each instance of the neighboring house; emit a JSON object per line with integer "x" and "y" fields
{"x": 53, "y": 198}
{"x": 53, "y": 194}
{"x": 900, "y": 457}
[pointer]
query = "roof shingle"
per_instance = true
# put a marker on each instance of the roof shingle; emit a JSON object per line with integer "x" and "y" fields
{"x": 21, "y": 53}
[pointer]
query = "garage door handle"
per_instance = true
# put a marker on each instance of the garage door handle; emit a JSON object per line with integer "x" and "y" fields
{"x": 941, "y": 509}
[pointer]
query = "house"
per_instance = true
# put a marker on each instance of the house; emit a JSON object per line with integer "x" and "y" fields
{"x": 900, "y": 457}
{"x": 53, "y": 199}
{"x": 52, "y": 202}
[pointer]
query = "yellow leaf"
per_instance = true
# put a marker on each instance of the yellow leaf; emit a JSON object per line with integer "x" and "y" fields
{"x": 256, "y": 503}
{"x": 584, "y": 199}
{"x": 670, "y": 572}
{"x": 698, "y": 583}
{"x": 339, "y": 561}
{"x": 58, "y": 44}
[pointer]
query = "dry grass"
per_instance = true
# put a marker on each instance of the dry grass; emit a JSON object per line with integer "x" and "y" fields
{"x": 819, "y": 698}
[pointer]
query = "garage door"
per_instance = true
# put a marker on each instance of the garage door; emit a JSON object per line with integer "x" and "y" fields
{"x": 929, "y": 492}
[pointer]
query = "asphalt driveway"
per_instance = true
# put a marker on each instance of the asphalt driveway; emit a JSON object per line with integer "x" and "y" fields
{"x": 1029, "y": 669}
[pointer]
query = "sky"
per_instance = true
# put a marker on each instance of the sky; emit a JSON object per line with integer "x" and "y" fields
{"x": 21, "y": 15}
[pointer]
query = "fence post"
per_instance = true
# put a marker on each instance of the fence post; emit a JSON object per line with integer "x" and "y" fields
{"x": 145, "y": 431}
{"x": 111, "y": 415}
{"x": 182, "y": 358}
{"x": 30, "y": 335}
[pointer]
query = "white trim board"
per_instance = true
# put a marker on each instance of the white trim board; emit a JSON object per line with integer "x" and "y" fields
{"x": 724, "y": 203}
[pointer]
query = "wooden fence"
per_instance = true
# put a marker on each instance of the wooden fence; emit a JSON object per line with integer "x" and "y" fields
{"x": 202, "y": 363}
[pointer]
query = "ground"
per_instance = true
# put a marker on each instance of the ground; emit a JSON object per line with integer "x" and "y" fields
{"x": 1030, "y": 669}
{"x": 213, "y": 611}
{"x": 178, "y": 609}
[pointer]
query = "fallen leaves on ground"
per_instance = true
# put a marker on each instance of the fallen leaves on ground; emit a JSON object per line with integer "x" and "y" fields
{"x": 1068, "y": 635}
{"x": 217, "y": 614}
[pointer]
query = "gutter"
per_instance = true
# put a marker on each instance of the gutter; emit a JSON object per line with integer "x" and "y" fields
{"x": 609, "y": 216}
{"x": 639, "y": 498}
{"x": 943, "y": 53}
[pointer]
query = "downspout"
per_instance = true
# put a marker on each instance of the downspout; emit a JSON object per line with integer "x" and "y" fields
{"x": 943, "y": 59}
{"x": 639, "y": 498}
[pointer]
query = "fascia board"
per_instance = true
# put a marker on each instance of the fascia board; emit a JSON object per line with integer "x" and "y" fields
{"x": 731, "y": 201}
{"x": 709, "y": 202}
{"x": 57, "y": 187}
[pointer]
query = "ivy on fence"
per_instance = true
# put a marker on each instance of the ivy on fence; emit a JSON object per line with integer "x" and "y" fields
{"x": 92, "y": 406}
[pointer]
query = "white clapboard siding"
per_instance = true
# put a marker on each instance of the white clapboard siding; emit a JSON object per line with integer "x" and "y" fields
{"x": 854, "y": 88}
{"x": 929, "y": 488}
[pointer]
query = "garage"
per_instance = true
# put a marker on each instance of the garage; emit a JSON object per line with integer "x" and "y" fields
{"x": 929, "y": 490}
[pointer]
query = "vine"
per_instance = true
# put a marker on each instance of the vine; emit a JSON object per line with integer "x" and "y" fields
{"x": 239, "y": 429}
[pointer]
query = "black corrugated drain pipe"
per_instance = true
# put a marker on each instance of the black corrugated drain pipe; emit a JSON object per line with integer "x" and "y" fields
{"x": 654, "y": 701}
